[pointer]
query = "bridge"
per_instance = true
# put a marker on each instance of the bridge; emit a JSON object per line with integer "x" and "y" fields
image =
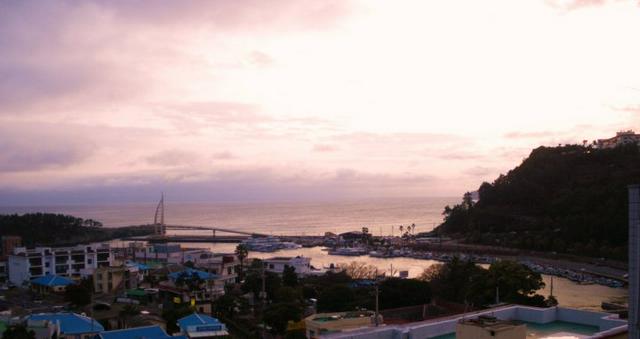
{"x": 161, "y": 230}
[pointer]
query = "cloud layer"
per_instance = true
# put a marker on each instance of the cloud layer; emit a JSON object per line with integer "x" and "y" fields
{"x": 249, "y": 100}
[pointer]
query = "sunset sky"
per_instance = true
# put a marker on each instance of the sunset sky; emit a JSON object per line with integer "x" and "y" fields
{"x": 244, "y": 100}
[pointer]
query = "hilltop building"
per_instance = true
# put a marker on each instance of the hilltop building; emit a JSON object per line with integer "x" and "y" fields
{"x": 621, "y": 138}
{"x": 74, "y": 262}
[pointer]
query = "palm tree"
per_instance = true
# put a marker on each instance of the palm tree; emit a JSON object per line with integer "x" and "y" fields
{"x": 241, "y": 252}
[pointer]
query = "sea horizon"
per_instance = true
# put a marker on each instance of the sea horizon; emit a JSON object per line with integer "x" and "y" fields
{"x": 380, "y": 215}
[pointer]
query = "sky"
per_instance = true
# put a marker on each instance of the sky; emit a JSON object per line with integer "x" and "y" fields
{"x": 251, "y": 100}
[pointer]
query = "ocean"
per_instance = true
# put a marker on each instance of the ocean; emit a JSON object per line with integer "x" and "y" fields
{"x": 381, "y": 216}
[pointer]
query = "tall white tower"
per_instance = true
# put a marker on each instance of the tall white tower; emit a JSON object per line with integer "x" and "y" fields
{"x": 158, "y": 219}
{"x": 634, "y": 261}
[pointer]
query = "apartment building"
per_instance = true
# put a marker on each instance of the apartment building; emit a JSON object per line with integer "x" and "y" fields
{"x": 114, "y": 279}
{"x": 75, "y": 262}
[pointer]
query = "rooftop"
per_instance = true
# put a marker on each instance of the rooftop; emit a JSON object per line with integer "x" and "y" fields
{"x": 147, "y": 332}
{"x": 70, "y": 323}
{"x": 491, "y": 323}
{"x": 191, "y": 272}
{"x": 52, "y": 280}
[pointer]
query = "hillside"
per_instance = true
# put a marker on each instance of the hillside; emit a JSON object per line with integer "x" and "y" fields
{"x": 569, "y": 199}
{"x": 45, "y": 229}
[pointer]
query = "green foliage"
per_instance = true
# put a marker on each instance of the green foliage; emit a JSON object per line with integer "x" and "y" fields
{"x": 278, "y": 315}
{"x": 57, "y": 229}
{"x": 466, "y": 282}
{"x": 289, "y": 276}
{"x": 190, "y": 281}
{"x": 18, "y": 332}
{"x": 569, "y": 199}
{"x": 242, "y": 252}
{"x": 253, "y": 283}
{"x": 336, "y": 298}
{"x": 396, "y": 292}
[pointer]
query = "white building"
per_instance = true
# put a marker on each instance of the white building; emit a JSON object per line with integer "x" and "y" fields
{"x": 621, "y": 138}
{"x": 74, "y": 262}
{"x": 277, "y": 264}
{"x": 560, "y": 322}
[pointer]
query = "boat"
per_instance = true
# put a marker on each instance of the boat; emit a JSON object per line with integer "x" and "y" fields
{"x": 268, "y": 244}
{"x": 349, "y": 251}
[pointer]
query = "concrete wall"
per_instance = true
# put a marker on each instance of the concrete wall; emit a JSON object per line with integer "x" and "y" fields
{"x": 434, "y": 328}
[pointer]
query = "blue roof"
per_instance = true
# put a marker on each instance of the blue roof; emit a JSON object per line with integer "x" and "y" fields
{"x": 147, "y": 332}
{"x": 190, "y": 271}
{"x": 140, "y": 266}
{"x": 70, "y": 323}
{"x": 196, "y": 319}
{"x": 52, "y": 280}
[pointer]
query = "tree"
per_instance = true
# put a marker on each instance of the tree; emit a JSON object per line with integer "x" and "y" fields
{"x": 277, "y": 316}
{"x": 516, "y": 283}
{"x": 396, "y": 292}
{"x": 241, "y": 252}
{"x": 359, "y": 270}
{"x": 18, "y": 332}
{"x": 78, "y": 295}
{"x": 289, "y": 276}
{"x": 189, "y": 280}
{"x": 336, "y": 298}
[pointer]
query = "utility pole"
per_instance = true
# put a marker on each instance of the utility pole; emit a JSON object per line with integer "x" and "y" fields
{"x": 377, "y": 305}
{"x": 263, "y": 298}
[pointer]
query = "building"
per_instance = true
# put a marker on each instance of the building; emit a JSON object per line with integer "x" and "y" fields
{"x": 196, "y": 287}
{"x": 325, "y": 323}
{"x": 634, "y": 261}
{"x": 146, "y": 332}
{"x": 487, "y": 327}
{"x": 166, "y": 253}
{"x": 50, "y": 284}
{"x": 114, "y": 279}
{"x": 73, "y": 262}
{"x": 559, "y": 321}
{"x": 622, "y": 138}
{"x": 9, "y": 243}
{"x": 63, "y": 326}
{"x": 222, "y": 265}
{"x": 202, "y": 326}
{"x": 277, "y": 264}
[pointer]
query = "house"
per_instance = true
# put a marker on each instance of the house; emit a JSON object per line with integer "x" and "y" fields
{"x": 223, "y": 265}
{"x": 51, "y": 284}
{"x": 114, "y": 279}
{"x": 277, "y": 264}
{"x": 323, "y": 323}
{"x": 75, "y": 262}
{"x": 202, "y": 326}
{"x": 63, "y": 326}
{"x": 621, "y": 138}
{"x": 146, "y": 332}
{"x": 199, "y": 288}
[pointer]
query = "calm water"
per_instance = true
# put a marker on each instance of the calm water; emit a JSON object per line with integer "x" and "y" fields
{"x": 380, "y": 215}
{"x": 277, "y": 218}
{"x": 568, "y": 293}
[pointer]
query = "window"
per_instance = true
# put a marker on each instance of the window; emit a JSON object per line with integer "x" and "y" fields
{"x": 229, "y": 270}
{"x": 46, "y": 264}
{"x": 110, "y": 286}
{"x": 110, "y": 276}
{"x": 89, "y": 261}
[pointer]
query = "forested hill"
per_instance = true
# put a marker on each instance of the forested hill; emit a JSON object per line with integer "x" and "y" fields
{"x": 46, "y": 229}
{"x": 570, "y": 199}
